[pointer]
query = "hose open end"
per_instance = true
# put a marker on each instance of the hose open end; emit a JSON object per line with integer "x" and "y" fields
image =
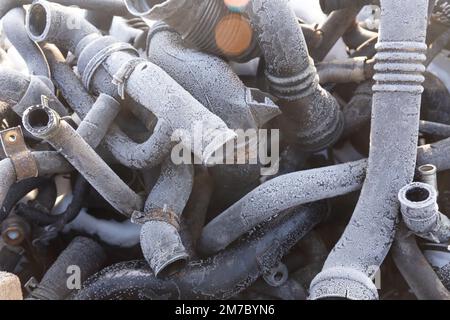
{"x": 41, "y": 121}
{"x": 162, "y": 248}
{"x": 39, "y": 21}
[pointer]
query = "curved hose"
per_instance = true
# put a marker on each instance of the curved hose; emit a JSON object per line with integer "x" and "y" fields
{"x": 420, "y": 212}
{"x": 276, "y": 195}
{"x": 357, "y": 256}
{"x": 209, "y": 25}
{"x": 16, "y": 192}
{"x": 292, "y": 76}
{"x": 238, "y": 106}
{"x": 103, "y": 59}
{"x": 219, "y": 277}
{"x": 15, "y": 31}
{"x": 129, "y": 153}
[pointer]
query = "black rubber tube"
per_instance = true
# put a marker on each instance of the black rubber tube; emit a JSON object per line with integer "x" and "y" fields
{"x": 219, "y": 277}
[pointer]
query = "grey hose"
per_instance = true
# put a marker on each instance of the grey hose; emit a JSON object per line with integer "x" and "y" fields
{"x": 127, "y": 152}
{"x": 208, "y": 25}
{"x": 45, "y": 123}
{"x": 111, "y": 7}
{"x": 357, "y": 256}
{"x": 297, "y": 188}
{"x": 14, "y": 28}
{"x": 276, "y": 195}
{"x": 82, "y": 257}
{"x": 103, "y": 59}
{"x": 238, "y": 106}
{"x": 160, "y": 239}
{"x": 98, "y": 120}
{"x": 420, "y": 212}
{"x": 292, "y": 76}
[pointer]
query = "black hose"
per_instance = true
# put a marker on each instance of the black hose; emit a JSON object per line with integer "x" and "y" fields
{"x": 17, "y": 192}
{"x": 219, "y": 277}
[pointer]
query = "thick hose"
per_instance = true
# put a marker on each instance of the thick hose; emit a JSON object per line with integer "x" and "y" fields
{"x": 86, "y": 255}
{"x": 238, "y": 106}
{"x": 45, "y": 123}
{"x": 209, "y": 25}
{"x": 129, "y": 153}
{"x": 420, "y": 212}
{"x": 292, "y": 76}
{"x": 111, "y": 7}
{"x": 15, "y": 31}
{"x": 357, "y": 256}
{"x": 219, "y": 277}
{"x": 168, "y": 101}
{"x": 160, "y": 239}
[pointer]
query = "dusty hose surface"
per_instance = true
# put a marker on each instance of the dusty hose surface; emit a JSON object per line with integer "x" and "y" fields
{"x": 367, "y": 239}
{"x": 225, "y": 149}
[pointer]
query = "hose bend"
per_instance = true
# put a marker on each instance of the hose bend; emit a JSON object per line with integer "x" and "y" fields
{"x": 15, "y": 31}
{"x": 127, "y": 152}
{"x": 219, "y": 277}
{"x": 357, "y": 256}
{"x": 239, "y": 107}
{"x": 292, "y": 76}
{"x": 276, "y": 195}
{"x": 104, "y": 60}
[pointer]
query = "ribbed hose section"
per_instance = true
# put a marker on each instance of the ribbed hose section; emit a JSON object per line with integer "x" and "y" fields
{"x": 292, "y": 76}
{"x": 357, "y": 256}
{"x": 209, "y": 25}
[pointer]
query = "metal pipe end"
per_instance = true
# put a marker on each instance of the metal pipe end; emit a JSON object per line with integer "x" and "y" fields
{"x": 162, "y": 248}
{"x": 342, "y": 283}
{"x": 38, "y": 20}
{"x": 41, "y": 121}
{"x": 428, "y": 175}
